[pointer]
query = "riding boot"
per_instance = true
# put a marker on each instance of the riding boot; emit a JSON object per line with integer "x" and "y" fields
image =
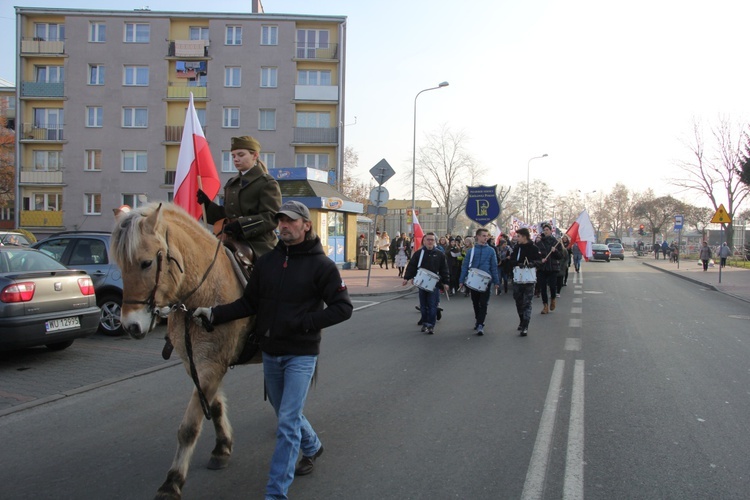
{"x": 552, "y": 304}
{"x": 545, "y": 310}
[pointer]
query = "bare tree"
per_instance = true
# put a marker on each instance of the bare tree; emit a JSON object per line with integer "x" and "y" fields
{"x": 698, "y": 217}
{"x": 351, "y": 187}
{"x": 618, "y": 203}
{"x": 717, "y": 173}
{"x": 657, "y": 213}
{"x": 7, "y": 163}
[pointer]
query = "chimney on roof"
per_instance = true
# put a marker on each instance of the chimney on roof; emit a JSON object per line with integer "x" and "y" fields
{"x": 257, "y": 7}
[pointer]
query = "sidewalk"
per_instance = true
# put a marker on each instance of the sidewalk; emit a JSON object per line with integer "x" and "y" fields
{"x": 735, "y": 281}
{"x": 382, "y": 282}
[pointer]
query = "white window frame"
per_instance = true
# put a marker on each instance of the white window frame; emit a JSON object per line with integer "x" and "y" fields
{"x": 94, "y": 117}
{"x": 43, "y": 30}
{"x": 228, "y": 117}
{"x": 305, "y": 77}
{"x": 137, "y": 158}
{"x": 92, "y": 204}
{"x": 44, "y": 159}
{"x": 97, "y": 73}
{"x": 134, "y": 200}
{"x": 227, "y": 165}
{"x": 130, "y": 117}
{"x": 232, "y": 76}
{"x": 198, "y": 33}
{"x": 311, "y": 160}
{"x": 92, "y": 160}
{"x": 312, "y": 119}
{"x": 231, "y": 33}
{"x": 267, "y": 119}
{"x": 130, "y": 33}
{"x": 269, "y": 159}
{"x": 269, "y": 78}
{"x": 97, "y": 32}
{"x": 269, "y": 34}
{"x": 131, "y": 75}
{"x": 51, "y": 202}
{"x": 49, "y": 73}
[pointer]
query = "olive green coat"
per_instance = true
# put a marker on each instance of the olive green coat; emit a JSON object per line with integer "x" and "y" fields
{"x": 253, "y": 199}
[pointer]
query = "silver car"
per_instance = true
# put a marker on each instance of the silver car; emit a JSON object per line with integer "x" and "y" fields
{"x": 42, "y": 302}
{"x": 616, "y": 251}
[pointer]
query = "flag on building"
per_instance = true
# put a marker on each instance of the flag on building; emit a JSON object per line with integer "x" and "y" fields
{"x": 195, "y": 166}
{"x": 418, "y": 233}
{"x": 582, "y": 233}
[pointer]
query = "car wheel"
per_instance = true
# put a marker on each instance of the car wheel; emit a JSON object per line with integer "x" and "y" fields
{"x": 109, "y": 319}
{"x": 59, "y": 346}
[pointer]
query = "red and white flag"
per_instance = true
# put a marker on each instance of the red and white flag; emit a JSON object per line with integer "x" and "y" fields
{"x": 195, "y": 166}
{"x": 418, "y": 233}
{"x": 582, "y": 233}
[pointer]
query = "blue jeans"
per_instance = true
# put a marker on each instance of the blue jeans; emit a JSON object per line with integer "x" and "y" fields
{"x": 428, "y": 304}
{"x": 287, "y": 381}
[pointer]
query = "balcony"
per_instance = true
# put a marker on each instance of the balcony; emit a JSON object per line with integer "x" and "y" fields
{"x": 313, "y": 135}
{"x": 42, "y": 132}
{"x": 42, "y": 89}
{"x": 326, "y": 51}
{"x": 181, "y": 90}
{"x": 169, "y": 177}
{"x": 173, "y": 133}
{"x": 188, "y": 49}
{"x": 41, "y": 218}
{"x": 39, "y": 46}
{"x": 316, "y": 92}
{"x": 41, "y": 177}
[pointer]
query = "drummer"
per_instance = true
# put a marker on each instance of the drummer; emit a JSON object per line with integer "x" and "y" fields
{"x": 483, "y": 258}
{"x": 430, "y": 259}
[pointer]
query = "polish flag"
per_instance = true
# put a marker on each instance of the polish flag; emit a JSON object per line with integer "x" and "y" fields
{"x": 195, "y": 166}
{"x": 582, "y": 233}
{"x": 418, "y": 233}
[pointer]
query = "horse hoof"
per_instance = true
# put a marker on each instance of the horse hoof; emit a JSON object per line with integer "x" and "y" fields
{"x": 217, "y": 463}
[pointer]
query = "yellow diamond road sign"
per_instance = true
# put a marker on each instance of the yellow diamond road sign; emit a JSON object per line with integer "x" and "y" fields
{"x": 721, "y": 216}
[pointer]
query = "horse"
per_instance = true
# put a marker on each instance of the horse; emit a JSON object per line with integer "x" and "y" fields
{"x": 170, "y": 265}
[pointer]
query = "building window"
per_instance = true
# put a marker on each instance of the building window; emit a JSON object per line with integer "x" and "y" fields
{"x": 137, "y": 33}
{"x": 234, "y": 35}
{"x": 319, "y": 161}
{"x": 227, "y": 165}
{"x": 231, "y": 118}
{"x": 312, "y": 119}
{"x": 92, "y": 204}
{"x": 269, "y": 35}
{"x": 50, "y": 119}
{"x": 232, "y": 76}
{"x": 134, "y": 161}
{"x": 134, "y": 200}
{"x": 96, "y": 74}
{"x": 267, "y": 119}
{"x": 48, "y": 161}
{"x": 268, "y": 77}
{"x": 135, "y": 117}
{"x": 50, "y": 32}
{"x": 308, "y": 41}
{"x": 269, "y": 159}
{"x": 199, "y": 33}
{"x": 135, "y": 75}
{"x": 50, "y": 74}
{"x": 314, "y": 77}
{"x": 94, "y": 116}
{"x": 93, "y": 160}
{"x": 50, "y": 202}
{"x": 97, "y": 32}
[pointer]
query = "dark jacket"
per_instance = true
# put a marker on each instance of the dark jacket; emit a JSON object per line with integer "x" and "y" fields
{"x": 522, "y": 253}
{"x": 549, "y": 245}
{"x": 287, "y": 291}
{"x": 253, "y": 199}
{"x": 433, "y": 260}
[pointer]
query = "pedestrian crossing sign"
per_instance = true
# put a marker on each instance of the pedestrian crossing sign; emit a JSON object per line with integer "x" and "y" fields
{"x": 721, "y": 216}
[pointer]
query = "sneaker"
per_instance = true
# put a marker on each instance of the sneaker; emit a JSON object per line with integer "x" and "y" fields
{"x": 430, "y": 330}
{"x": 424, "y": 329}
{"x": 480, "y": 330}
{"x": 525, "y": 331}
{"x": 305, "y": 465}
{"x": 558, "y": 295}
{"x": 520, "y": 327}
{"x": 439, "y": 313}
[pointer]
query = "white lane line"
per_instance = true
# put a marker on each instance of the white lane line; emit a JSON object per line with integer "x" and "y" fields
{"x": 574, "y": 322}
{"x": 576, "y": 310}
{"x": 573, "y": 484}
{"x": 572, "y": 344}
{"x": 578, "y": 300}
{"x": 367, "y": 303}
{"x": 577, "y": 292}
{"x": 533, "y": 487}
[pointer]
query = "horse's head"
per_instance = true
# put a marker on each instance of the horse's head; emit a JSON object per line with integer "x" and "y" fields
{"x": 151, "y": 264}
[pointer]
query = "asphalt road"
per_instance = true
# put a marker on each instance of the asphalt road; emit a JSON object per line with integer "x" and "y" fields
{"x": 635, "y": 387}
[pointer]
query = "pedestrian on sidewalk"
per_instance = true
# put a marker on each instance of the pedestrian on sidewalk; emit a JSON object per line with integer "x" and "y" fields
{"x": 430, "y": 259}
{"x": 724, "y": 252}
{"x": 657, "y": 250}
{"x": 525, "y": 254}
{"x": 705, "y": 255}
{"x": 401, "y": 259}
{"x": 384, "y": 244}
{"x": 482, "y": 257}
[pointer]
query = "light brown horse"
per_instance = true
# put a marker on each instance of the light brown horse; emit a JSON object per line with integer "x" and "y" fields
{"x": 170, "y": 265}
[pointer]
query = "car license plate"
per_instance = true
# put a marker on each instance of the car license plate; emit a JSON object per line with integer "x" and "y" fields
{"x": 55, "y": 325}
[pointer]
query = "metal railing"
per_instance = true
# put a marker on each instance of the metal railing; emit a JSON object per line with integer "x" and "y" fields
{"x": 314, "y": 135}
{"x": 42, "y": 132}
{"x": 42, "y": 89}
{"x": 306, "y": 50}
{"x": 169, "y": 177}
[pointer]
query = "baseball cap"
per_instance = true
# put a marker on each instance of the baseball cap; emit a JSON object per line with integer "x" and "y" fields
{"x": 293, "y": 210}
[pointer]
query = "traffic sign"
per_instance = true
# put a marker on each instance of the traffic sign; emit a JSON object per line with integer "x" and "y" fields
{"x": 379, "y": 196}
{"x": 371, "y": 209}
{"x": 678, "y": 222}
{"x": 721, "y": 216}
{"x": 382, "y": 171}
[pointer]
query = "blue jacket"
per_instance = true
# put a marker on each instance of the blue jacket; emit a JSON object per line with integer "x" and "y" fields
{"x": 485, "y": 259}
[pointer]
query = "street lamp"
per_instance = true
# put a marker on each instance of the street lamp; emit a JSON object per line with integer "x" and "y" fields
{"x": 528, "y": 194}
{"x": 414, "y": 156}
{"x": 586, "y": 197}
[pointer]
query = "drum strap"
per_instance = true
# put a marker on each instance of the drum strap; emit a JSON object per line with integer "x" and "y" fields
{"x": 419, "y": 264}
{"x": 472, "y": 256}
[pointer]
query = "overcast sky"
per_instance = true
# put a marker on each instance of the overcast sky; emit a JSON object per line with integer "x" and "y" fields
{"x": 607, "y": 89}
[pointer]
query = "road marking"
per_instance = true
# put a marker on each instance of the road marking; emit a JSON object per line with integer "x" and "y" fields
{"x": 533, "y": 487}
{"x": 367, "y": 303}
{"x": 574, "y": 322}
{"x": 572, "y": 344}
{"x": 576, "y": 310}
{"x": 578, "y": 300}
{"x": 573, "y": 484}
{"x": 577, "y": 292}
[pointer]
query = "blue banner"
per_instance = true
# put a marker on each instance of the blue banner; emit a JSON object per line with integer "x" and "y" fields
{"x": 481, "y": 204}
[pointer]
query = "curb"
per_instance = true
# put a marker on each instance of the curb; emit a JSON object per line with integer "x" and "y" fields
{"x": 404, "y": 291}
{"x": 687, "y": 278}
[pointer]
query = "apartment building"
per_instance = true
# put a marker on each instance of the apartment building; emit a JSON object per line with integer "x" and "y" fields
{"x": 102, "y": 95}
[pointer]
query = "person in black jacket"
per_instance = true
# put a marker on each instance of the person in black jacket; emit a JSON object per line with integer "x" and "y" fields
{"x": 287, "y": 291}
{"x": 431, "y": 259}
{"x": 547, "y": 273}
{"x": 524, "y": 254}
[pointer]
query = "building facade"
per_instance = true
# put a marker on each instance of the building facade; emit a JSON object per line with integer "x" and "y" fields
{"x": 102, "y": 96}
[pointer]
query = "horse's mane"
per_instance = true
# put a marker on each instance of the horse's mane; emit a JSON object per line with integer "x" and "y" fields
{"x": 127, "y": 237}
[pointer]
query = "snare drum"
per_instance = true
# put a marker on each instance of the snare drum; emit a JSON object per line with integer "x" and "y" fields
{"x": 426, "y": 280}
{"x": 524, "y": 275}
{"x": 478, "y": 280}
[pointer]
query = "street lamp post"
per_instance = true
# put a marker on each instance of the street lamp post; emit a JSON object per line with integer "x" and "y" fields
{"x": 414, "y": 156}
{"x": 528, "y": 194}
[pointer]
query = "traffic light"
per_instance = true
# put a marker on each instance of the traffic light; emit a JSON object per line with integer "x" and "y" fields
{"x": 640, "y": 230}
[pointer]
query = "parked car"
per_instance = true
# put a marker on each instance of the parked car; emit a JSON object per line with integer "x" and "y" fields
{"x": 43, "y": 302}
{"x": 616, "y": 251}
{"x": 89, "y": 250}
{"x": 13, "y": 238}
{"x": 600, "y": 252}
